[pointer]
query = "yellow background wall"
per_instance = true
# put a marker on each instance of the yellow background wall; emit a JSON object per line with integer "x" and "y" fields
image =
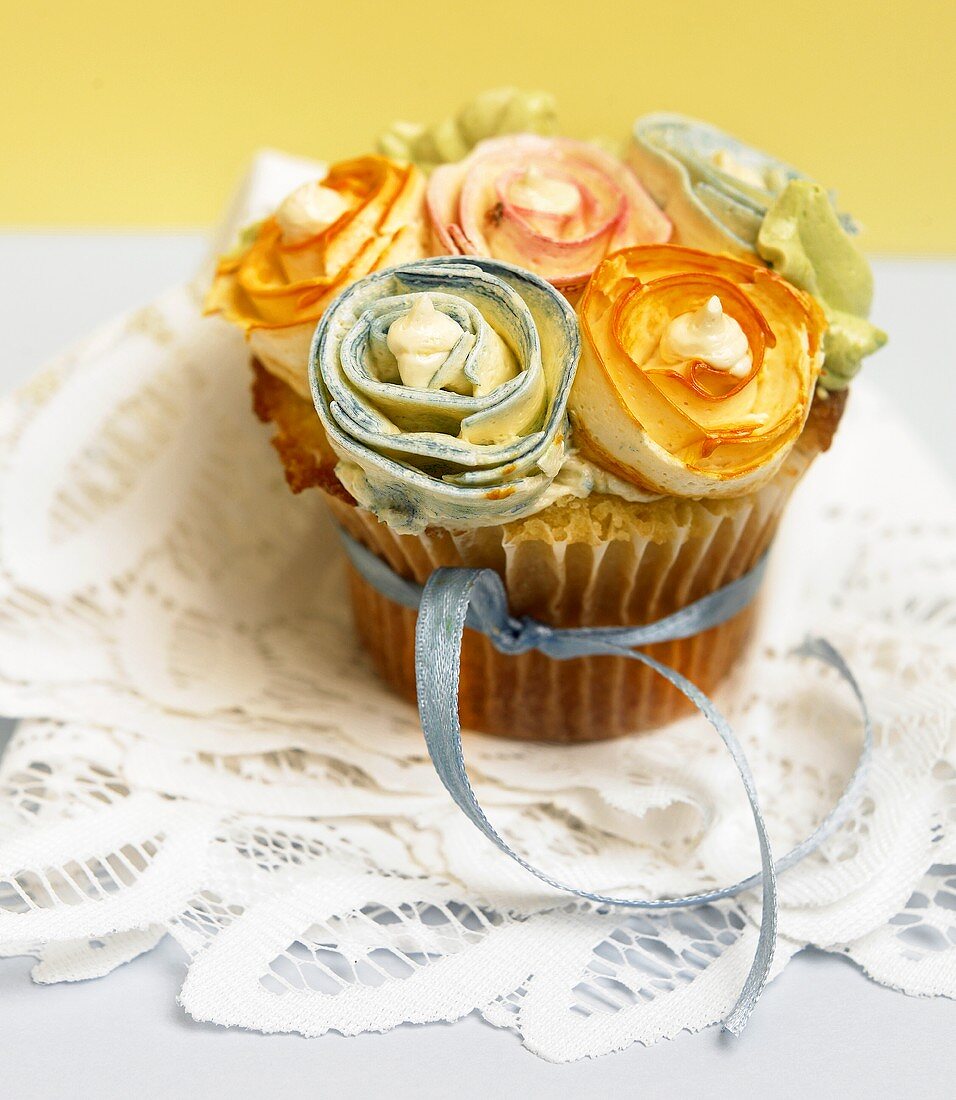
{"x": 135, "y": 113}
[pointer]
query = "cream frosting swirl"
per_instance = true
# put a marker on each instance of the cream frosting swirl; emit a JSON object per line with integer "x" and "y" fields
{"x": 421, "y": 341}
{"x": 533, "y": 190}
{"x": 480, "y": 433}
{"x": 709, "y": 335}
{"x": 308, "y": 211}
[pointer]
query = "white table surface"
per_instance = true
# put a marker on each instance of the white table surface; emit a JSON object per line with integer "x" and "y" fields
{"x": 822, "y": 1028}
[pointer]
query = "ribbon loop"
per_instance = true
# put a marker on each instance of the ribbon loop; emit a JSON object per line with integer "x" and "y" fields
{"x": 454, "y": 598}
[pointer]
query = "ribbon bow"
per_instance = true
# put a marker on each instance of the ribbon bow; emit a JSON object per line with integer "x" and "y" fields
{"x": 455, "y": 598}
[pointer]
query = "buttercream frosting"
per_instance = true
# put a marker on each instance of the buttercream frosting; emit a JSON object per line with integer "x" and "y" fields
{"x": 309, "y": 210}
{"x": 725, "y": 161}
{"x": 491, "y": 114}
{"x": 421, "y": 340}
{"x": 676, "y": 423}
{"x": 544, "y": 194}
{"x": 802, "y": 238}
{"x": 708, "y": 335}
{"x": 366, "y": 214}
{"x": 478, "y": 451}
{"x": 552, "y": 205}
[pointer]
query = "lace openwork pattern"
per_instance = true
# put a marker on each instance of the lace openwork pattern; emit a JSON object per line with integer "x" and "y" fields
{"x": 206, "y": 755}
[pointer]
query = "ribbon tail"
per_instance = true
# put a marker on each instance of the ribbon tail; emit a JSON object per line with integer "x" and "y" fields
{"x": 737, "y": 1018}
{"x": 438, "y": 639}
{"x": 454, "y": 598}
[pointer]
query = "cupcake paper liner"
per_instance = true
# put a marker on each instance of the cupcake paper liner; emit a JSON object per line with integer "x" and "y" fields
{"x": 570, "y": 582}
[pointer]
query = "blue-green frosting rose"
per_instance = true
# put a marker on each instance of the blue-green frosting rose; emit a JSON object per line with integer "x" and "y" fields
{"x": 442, "y": 386}
{"x": 725, "y": 196}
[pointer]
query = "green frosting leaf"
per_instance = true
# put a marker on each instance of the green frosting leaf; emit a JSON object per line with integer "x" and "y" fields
{"x": 491, "y": 114}
{"x": 802, "y": 239}
{"x": 848, "y": 340}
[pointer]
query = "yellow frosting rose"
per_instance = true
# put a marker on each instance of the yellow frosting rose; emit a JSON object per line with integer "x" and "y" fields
{"x": 697, "y": 370}
{"x": 366, "y": 214}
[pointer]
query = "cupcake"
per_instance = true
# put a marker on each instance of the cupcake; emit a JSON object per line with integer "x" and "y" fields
{"x": 600, "y": 376}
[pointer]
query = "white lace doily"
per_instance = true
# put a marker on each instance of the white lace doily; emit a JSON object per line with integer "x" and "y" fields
{"x": 206, "y": 754}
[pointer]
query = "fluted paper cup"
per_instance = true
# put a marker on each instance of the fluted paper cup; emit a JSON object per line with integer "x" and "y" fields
{"x": 594, "y": 562}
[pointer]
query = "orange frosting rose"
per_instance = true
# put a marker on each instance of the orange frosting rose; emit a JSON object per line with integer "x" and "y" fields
{"x": 366, "y": 214}
{"x": 693, "y": 422}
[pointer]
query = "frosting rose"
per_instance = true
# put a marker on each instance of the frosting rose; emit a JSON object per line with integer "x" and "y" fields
{"x": 366, "y": 214}
{"x": 697, "y": 371}
{"x": 715, "y": 188}
{"x": 442, "y": 386}
{"x": 724, "y": 196}
{"x": 552, "y": 205}
{"x": 491, "y": 114}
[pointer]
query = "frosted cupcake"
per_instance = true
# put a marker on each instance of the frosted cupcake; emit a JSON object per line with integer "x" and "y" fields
{"x": 547, "y": 388}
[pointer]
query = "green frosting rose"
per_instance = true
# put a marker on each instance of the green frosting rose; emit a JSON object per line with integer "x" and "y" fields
{"x": 801, "y": 238}
{"x": 496, "y": 112}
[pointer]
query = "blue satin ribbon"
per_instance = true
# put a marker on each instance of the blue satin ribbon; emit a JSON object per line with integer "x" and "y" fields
{"x": 455, "y": 598}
